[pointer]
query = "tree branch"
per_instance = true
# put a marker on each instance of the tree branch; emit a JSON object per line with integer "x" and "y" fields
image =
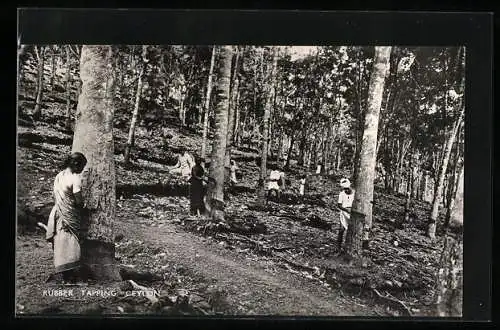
{"x": 396, "y": 301}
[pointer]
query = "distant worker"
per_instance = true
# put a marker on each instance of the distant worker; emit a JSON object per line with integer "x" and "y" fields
{"x": 346, "y": 197}
{"x": 276, "y": 184}
{"x": 233, "y": 170}
{"x": 185, "y": 163}
{"x": 302, "y": 187}
{"x": 197, "y": 188}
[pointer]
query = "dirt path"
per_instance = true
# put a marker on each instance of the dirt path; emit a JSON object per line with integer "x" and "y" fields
{"x": 250, "y": 284}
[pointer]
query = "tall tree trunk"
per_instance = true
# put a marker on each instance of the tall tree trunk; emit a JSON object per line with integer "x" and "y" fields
{"x": 363, "y": 197}
{"x": 409, "y": 188}
{"x": 415, "y": 182}
{"x": 69, "y": 120}
{"x": 339, "y": 159}
{"x": 431, "y": 229}
{"x": 120, "y": 69}
{"x": 326, "y": 148}
{"x": 446, "y": 188}
{"x": 182, "y": 111}
{"x": 418, "y": 184}
{"x": 133, "y": 70}
{"x": 360, "y": 118}
{"x": 450, "y": 274}
{"x": 302, "y": 148}
{"x": 40, "y": 52}
{"x": 215, "y": 192}
{"x": 271, "y": 90}
{"x": 357, "y": 149}
{"x": 78, "y": 89}
{"x": 290, "y": 150}
{"x": 456, "y": 216}
{"x": 279, "y": 155}
{"x": 20, "y": 52}
{"x": 453, "y": 183}
{"x": 94, "y": 138}
{"x": 237, "y": 118}
{"x": 231, "y": 116}
{"x": 207, "y": 105}
{"x": 53, "y": 69}
{"x": 135, "y": 114}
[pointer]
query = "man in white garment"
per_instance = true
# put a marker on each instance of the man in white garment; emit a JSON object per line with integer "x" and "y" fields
{"x": 346, "y": 197}
{"x": 185, "y": 163}
{"x": 276, "y": 183}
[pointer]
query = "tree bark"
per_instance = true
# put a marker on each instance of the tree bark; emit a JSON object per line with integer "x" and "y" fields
{"x": 302, "y": 148}
{"x": 357, "y": 147}
{"x": 78, "y": 89}
{"x": 360, "y": 118}
{"x": 231, "y": 116}
{"x": 418, "y": 184}
{"x": 409, "y": 188}
{"x": 450, "y": 274}
{"x": 94, "y": 138}
{"x": 456, "y": 216}
{"x": 453, "y": 182}
{"x": 362, "y": 205}
{"x": 215, "y": 192}
{"x": 40, "y": 52}
{"x": 290, "y": 150}
{"x": 135, "y": 114}
{"x": 271, "y": 90}
{"x": 326, "y": 148}
{"x": 20, "y": 52}
{"x": 450, "y": 279}
{"x": 415, "y": 182}
{"x": 424, "y": 185}
{"x": 458, "y": 194}
{"x": 237, "y": 118}
{"x": 279, "y": 150}
{"x": 69, "y": 120}
{"x": 53, "y": 68}
{"x": 431, "y": 229}
{"x": 182, "y": 111}
{"x": 339, "y": 159}
{"x": 207, "y": 104}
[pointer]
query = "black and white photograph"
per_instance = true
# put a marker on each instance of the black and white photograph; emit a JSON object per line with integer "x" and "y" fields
{"x": 240, "y": 180}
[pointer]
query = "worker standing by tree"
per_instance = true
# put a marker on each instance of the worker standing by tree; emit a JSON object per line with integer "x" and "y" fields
{"x": 346, "y": 197}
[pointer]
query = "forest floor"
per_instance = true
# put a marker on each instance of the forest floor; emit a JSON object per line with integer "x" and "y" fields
{"x": 289, "y": 267}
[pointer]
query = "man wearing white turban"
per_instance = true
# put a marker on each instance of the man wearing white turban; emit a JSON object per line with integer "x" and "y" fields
{"x": 346, "y": 197}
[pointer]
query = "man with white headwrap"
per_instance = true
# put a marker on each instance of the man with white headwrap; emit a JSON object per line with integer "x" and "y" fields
{"x": 346, "y": 197}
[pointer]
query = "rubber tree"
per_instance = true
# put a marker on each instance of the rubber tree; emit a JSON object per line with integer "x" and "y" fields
{"x": 135, "y": 114}
{"x": 67, "y": 86}
{"x": 459, "y": 71}
{"x": 94, "y": 138}
{"x": 271, "y": 83}
{"x": 363, "y": 197}
{"x": 449, "y": 299}
{"x": 232, "y": 113}
{"x": 21, "y": 49}
{"x": 438, "y": 194}
{"x": 207, "y": 104}
{"x": 40, "y": 56}
{"x": 214, "y": 200}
